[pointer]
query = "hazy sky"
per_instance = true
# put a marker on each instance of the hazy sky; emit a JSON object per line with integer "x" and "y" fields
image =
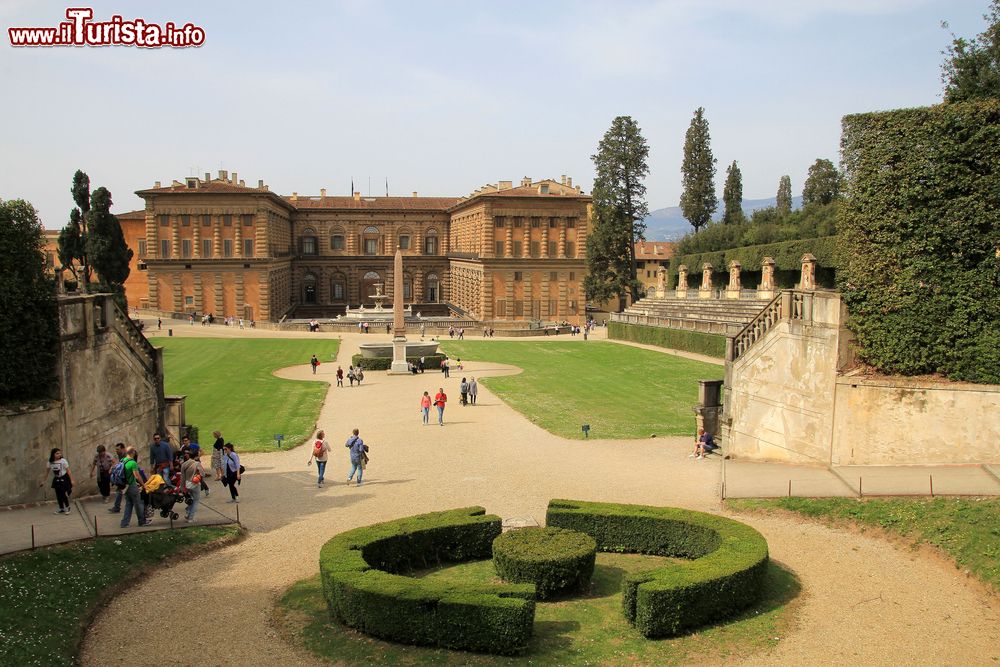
{"x": 442, "y": 97}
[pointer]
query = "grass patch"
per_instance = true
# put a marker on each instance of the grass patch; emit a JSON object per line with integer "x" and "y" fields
{"x": 967, "y": 529}
{"x": 589, "y": 629}
{"x": 621, "y": 391}
{"x": 48, "y": 595}
{"x": 229, "y": 387}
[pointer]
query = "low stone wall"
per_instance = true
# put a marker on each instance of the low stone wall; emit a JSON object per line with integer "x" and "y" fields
{"x": 902, "y": 421}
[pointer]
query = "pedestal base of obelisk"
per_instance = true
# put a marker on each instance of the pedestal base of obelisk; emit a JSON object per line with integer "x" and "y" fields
{"x": 399, "y": 366}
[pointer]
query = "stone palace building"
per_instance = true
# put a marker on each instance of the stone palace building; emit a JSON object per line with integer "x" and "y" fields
{"x": 216, "y": 245}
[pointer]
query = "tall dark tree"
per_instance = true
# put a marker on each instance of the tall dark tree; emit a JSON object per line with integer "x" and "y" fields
{"x": 73, "y": 237}
{"x": 971, "y": 69}
{"x": 732, "y": 196}
{"x": 784, "y": 203}
{"x": 698, "y": 201}
{"x": 619, "y": 197}
{"x": 106, "y": 248}
{"x": 29, "y": 327}
{"x": 822, "y": 183}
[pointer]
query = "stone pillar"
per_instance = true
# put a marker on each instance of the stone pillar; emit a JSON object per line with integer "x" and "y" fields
{"x": 661, "y": 283}
{"x": 808, "y": 278}
{"x": 766, "y": 288}
{"x": 733, "y": 290}
{"x": 682, "y": 281}
{"x": 705, "y": 292}
{"x": 709, "y": 409}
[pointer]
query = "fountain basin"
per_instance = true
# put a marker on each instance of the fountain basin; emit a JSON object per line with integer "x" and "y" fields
{"x": 376, "y": 350}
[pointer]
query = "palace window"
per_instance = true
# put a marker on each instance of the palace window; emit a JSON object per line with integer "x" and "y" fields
{"x": 553, "y": 307}
{"x": 570, "y": 249}
{"x": 553, "y": 276}
{"x": 404, "y": 242}
{"x": 570, "y": 223}
{"x": 206, "y": 247}
{"x": 536, "y": 222}
{"x": 518, "y": 276}
{"x": 164, "y": 221}
{"x": 248, "y": 247}
{"x": 227, "y": 220}
{"x": 186, "y": 248}
{"x": 536, "y": 248}
{"x": 431, "y": 243}
{"x": 518, "y": 308}
{"x": 142, "y": 247}
{"x": 498, "y": 222}
{"x": 371, "y": 246}
{"x": 247, "y": 220}
{"x": 307, "y": 244}
{"x": 337, "y": 242}
{"x": 518, "y": 222}
{"x": 572, "y": 307}
{"x": 499, "y": 248}
{"x": 501, "y": 309}
{"x": 227, "y": 248}
{"x": 553, "y": 248}
{"x": 206, "y": 221}
{"x": 552, "y": 223}
{"x": 164, "y": 249}
{"x": 572, "y": 275}
{"x": 185, "y": 220}
{"x": 189, "y": 301}
{"x": 517, "y": 248}
{"x": 339, "y": 288}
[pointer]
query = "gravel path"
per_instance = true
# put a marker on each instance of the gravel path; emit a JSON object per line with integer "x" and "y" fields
{"x": 863, "y": 600}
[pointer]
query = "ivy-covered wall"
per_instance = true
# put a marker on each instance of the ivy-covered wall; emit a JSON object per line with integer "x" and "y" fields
{"x": 787, "y": 257}
{"x": 920, "y": 237}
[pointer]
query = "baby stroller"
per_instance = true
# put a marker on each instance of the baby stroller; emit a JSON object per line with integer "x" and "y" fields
{"x": 164, "y": 498}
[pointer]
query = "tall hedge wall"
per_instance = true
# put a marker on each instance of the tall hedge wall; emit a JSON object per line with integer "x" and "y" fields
{"x": 712, "y": 345}
{"x": 920, "y": 233}
{"x": 787, "y": 257}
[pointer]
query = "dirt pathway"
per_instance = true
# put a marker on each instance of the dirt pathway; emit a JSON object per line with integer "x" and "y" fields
{"x": 863, "y": 600}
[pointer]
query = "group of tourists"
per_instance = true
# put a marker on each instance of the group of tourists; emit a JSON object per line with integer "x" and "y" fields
{"x": 175, "y": 472}
{"x": 357, "y": 453}
{"x": 460, "y": 332}
{"x": 354, "y": 374}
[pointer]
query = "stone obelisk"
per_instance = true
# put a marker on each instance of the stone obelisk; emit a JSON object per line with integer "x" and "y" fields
{"x": 398, "y": 323}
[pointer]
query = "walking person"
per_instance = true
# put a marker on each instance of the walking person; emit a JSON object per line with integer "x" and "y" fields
{"x": 358, "y": 455}
{"x": 217, "y": 454}
{"x": 350, "y": 375}
{"x": 102, "y": 464}
{"x": 425, "y": 407}
{"x": 473, "y": 390}
{"x": 359, "y": 374}
{"x": 314, "y": 362}
{"x": 463, "y": 391}
{"x": 133, "y": 499}
{"x": 233, "y": 469}
{"x": 161, "y": 458}
{"x": 445, "y": 366}
{"x": 440, "y": 399}
{"x": 320, "y": 452}
{"x": 119, "y": 490}
{"x": 192, "y": 476}
{"x": 62, "y": 479}
{"x": 420, "y": 366}
{"x": 340, "y": 376}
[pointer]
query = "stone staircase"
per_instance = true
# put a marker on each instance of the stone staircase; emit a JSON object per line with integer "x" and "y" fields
{"x": 718, "y": 316}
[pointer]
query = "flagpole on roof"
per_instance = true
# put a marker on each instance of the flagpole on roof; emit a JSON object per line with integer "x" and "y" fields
{"x": 386, "y": 186}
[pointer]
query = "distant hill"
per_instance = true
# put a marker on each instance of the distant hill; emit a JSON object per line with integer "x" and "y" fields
{"x": 669, "y": 224}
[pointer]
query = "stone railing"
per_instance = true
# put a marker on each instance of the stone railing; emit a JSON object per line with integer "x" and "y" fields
{"x": 787, "y": 305}
{"x": 130, "y": 333}
{"x": 701, "y": 326}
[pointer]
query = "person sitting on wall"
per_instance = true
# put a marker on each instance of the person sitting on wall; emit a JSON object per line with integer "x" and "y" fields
{"x": 704, "y": 445}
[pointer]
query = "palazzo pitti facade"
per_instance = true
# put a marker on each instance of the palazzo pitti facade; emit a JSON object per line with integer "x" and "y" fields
{"x": 504, "y": 252}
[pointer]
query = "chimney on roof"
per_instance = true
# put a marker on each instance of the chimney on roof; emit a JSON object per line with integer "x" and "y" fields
{"x": 242, "y": 183}
{"x": 562, "y": 179}
{"x": 295, "y": 196}
{"x": 526, "y": 182}
{"x": 208, "y": 176}
{"x": 234, "y": 178}
{"x": 260, "y": 183}
{"x": 506, "y": 185}
{"x": 322, "y": 193}
{"x": 414, "y": 193}
{"x": 223, "y": 175}
{"x": 357, "y": 196}
{"x": 569, "y": 182}
{"x": 156, "y": 184}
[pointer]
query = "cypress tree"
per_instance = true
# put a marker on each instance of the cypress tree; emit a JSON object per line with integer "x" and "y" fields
{"x": 698, "y": 201}
{"x": 106, "y": 246}
{"x": 784, "y": 203}
{"x": 732, "y": 196}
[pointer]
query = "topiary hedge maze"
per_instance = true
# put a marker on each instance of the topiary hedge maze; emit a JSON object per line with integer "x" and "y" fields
{"x": 555, "y": 560}
{"x": 364, "y": 589}
{"x": 725, "y": 576}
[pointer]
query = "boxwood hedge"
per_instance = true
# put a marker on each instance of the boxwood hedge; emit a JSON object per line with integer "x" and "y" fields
{"x": 711, "y": 345}
{"x": 556, "y": 560}
{"x": 726, "y": 573}
{"x": 362, "y": 570}
{"x": 431, "y": 362}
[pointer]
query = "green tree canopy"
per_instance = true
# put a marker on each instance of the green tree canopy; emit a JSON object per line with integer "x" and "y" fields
{"x": 732, "y": 196}
{"x": 784, "y": 203}
{"x": 698, "y": 201}
{"x": 971, "y": 69}
{"x": 29, "y": 328}
{"x": 822, "y": 183}
{"x": 619, "y": 208}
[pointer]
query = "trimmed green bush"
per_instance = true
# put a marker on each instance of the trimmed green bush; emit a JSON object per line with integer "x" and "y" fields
{"x": 364, "y": 588}
{"x": 726, "y": 573}
{"x": 920, "y": 230}
{"x": 712, "y": 345}
{"x": 787, "y": 257}
{"x": 431, "y": 362}
{"x": 555, "y": 560}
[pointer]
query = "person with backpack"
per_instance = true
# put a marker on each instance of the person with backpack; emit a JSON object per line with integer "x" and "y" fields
{"x": 102, "y": 464}
{"x": 359, "y": 455}
{"x": 320, "y": 452}
{"x": 314, "y": 362}
{"x": 118, "y": 480}
{"x": 234, "y": 471}
{"x": 133, "y": 484}
{"x": 62, "y": 480}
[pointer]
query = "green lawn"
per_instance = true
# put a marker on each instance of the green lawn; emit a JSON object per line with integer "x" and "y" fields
{"x": 229, "y": 387}
{"x": 587, "y": 630}
{"x": 621, "y": 391}
{"x": 967, "y": 529}
{"x": 47, "y": 596}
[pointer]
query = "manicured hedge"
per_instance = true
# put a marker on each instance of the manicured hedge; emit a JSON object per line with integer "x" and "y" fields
{"x": 787, "y": 257}
{"x": 920, "y": 229}
{"x": 431, "y": 362}
{"x": 555, "y": 560}
{"x": 712, "y": 345}
{"x": 364, "y": 588}
{"x": 725, "y": 576}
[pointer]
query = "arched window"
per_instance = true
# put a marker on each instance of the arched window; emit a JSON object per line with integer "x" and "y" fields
{"x": 404, "y": 239}
{"x": 431, "y": 242}
{"x": 371, "y": 230}
{"x": 371, "y": 241}
{"x": 307, "y": 242}
{"x": 338, "y": 288}
{"x": 338, "y": 240}
{"x": 432, "y": 289}
{"x": 309, "y": 288}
